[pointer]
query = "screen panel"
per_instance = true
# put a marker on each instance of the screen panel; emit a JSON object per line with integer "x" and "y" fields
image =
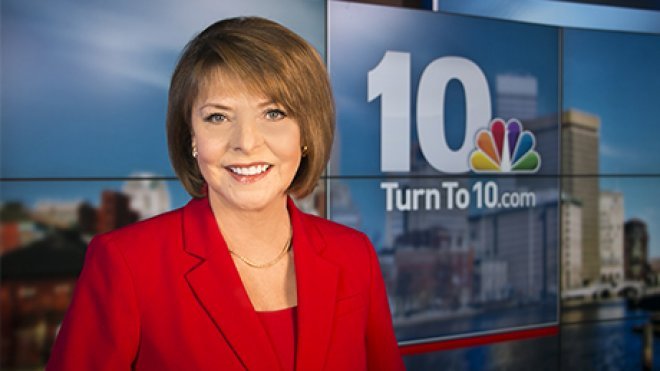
{"x": 418, "y": 94}
{"x": 84, "y": 86}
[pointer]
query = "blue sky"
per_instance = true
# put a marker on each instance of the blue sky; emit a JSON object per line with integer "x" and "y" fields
{"x": 614, "y": 75}
{"x": 84, "y": 84}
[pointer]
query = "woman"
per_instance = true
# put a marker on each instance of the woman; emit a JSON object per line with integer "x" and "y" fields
{"x": 239, "y": 278}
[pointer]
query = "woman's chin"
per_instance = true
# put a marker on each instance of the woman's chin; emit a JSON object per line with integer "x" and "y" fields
{"x": 251, "y": 200}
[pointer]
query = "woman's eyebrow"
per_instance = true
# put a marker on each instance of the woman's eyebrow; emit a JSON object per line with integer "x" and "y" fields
{"x": 267, "y": 102}
{"x": 214, "y": 105}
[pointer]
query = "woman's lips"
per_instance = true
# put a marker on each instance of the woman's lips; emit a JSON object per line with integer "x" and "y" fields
{"x": 249, "y": 173}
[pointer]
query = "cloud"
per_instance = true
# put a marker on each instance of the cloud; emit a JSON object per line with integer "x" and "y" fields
{"x": 138, "y": 42}
{"x": 609, "y": 151}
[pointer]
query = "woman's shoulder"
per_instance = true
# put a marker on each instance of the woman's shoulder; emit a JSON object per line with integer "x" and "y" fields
{"x": 344, "y": 245}
{"x": 348, "y": 249}
{"x": 333, "y": 230}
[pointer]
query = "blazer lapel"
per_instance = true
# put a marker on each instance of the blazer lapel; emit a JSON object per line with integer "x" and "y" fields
{"x": 219, "y": 289}
{"x": 316, "y": 280}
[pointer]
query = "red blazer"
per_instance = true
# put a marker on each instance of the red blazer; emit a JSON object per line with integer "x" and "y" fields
{"x": 164, "y": 294}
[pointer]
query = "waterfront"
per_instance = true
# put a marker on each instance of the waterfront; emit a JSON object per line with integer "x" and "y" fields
{"x": 594, "y": 336}
{"x": 602, "y": 336}
{"x": 491, "y": 319}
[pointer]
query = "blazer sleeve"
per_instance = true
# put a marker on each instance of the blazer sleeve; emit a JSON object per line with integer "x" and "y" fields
{"x": 382, "y": 349}
{"x": 101, "y": 328}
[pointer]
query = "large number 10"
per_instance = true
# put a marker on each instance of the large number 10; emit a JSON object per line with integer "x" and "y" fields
{"x": 390, "y": 80}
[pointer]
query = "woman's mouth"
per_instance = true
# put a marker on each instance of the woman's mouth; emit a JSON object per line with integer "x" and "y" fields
{"x": 249, "y": 173}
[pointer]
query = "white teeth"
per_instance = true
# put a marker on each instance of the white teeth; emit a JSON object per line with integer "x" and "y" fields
{"x": 252, "y": 170}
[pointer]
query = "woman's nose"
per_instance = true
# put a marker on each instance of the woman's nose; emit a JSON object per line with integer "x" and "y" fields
{"x": 246, "y": 136}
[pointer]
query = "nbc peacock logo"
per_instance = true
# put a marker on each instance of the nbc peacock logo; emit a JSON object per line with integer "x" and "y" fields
{"x": 505, "y": 148}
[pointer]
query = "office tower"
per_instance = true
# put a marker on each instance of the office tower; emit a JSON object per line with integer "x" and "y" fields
{"x": 517, "y": 96}
{"x": 611, "y": 236}
{"x": 114, "y": 211}
{"x": 571, "y": 243}
{"x": 579, "y": 141}
{"x": 518, "y": 246}
{"x": 636, "y": 250}
{"x": 148, "y": 197}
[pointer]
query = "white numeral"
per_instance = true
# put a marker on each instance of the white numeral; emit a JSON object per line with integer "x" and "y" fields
{"x": 390, "y": 80}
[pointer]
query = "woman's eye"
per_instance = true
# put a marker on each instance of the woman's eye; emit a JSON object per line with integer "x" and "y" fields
{"x": 215, "y": 118}
{"x": 275, "y": 114}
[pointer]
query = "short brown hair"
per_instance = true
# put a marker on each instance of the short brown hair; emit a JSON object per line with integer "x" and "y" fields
{"x": 269, "y": 59}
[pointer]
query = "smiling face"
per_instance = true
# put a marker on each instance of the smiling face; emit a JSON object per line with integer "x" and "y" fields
{"x": 248, "y": 146}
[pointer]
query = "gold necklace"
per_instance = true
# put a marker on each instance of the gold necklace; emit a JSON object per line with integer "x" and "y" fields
{"x": 285, "y": 249}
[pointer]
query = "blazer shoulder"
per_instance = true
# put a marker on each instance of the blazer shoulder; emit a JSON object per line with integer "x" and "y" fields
{"x": 334, "y": 231}
{"x": 343, "y": 245}
{"x": 349, "y": 250}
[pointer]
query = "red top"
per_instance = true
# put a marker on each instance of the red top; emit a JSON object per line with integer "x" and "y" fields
{"x": 281, "y": 326}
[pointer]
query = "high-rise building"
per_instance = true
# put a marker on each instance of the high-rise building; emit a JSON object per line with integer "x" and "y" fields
{"x": 611, "y": 236}
{"x": 579, "y": 141}
{"x": 636, "y": 250}
{"x": 430, "y": 274}
{"x": 114, "y": 211}
{"x": 520, "y": 243}
{"x": 454, "y": 221}
{"x": 148, "y": 197}
{"x": 571, "y": 243}
{"x": 87, "y": 219}
{"x": 517, "y": 96}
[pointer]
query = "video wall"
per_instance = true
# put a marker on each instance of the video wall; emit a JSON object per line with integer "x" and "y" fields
{"x": 501, "y": 163}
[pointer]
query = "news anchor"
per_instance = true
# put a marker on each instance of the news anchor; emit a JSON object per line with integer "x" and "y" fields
{"x": 238, "y": 278}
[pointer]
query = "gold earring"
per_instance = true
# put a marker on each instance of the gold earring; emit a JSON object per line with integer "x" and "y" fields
{"x": 304, "y": 151}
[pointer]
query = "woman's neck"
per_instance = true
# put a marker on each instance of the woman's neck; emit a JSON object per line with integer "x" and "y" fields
{"x": 256, "y": 234}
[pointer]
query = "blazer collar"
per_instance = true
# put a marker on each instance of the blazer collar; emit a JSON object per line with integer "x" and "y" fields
{"x": 218, "y": 288}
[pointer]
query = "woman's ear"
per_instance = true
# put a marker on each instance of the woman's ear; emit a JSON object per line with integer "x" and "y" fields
{"x": 194, "y": 147}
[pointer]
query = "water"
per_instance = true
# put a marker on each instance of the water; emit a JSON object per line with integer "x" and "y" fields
{"x": 592, "y": 337}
